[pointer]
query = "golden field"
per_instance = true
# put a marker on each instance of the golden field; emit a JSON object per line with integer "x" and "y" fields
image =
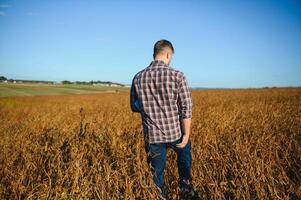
{"x": 246, "y": 144}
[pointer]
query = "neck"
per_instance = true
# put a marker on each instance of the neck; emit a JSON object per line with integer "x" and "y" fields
{"x": 165, "y": 61}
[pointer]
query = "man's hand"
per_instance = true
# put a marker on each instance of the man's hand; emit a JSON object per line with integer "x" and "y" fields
{"x": 184, "y": 141}
{"x": 185, "y": 128}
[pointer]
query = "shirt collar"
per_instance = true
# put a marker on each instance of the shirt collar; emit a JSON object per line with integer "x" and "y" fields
{"x": 157, "y": 64}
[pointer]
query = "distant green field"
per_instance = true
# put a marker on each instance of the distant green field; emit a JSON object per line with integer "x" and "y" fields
{"x": 33, "y": 89}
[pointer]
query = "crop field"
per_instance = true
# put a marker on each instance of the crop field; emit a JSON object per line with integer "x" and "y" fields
{"x": 246, "y": 144}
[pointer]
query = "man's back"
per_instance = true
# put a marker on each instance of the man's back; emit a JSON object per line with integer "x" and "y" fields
{"x": 160, "y": 93}
{"x": 162, "y": 97}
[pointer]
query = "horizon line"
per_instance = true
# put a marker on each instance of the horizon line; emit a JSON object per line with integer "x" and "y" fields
{"x": 128, "y": 84}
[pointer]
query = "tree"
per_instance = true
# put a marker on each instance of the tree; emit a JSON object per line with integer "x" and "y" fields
{"x": 66, "y": 82}
{"x": 2, "y": 78}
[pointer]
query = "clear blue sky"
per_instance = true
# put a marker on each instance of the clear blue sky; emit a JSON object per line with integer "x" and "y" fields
{"x": 217, "y": 43}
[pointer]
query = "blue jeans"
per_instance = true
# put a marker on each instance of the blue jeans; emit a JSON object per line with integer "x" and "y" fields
{"x": 156, "y": 157}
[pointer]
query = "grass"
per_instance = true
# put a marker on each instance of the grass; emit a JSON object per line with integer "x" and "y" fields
{"x": 34, "y": 89}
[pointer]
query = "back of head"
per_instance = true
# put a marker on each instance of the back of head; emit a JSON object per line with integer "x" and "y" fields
{"x": 162, "y": 46}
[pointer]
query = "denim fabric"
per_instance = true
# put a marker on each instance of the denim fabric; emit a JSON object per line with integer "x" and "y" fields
{"x": 156, "y": 157}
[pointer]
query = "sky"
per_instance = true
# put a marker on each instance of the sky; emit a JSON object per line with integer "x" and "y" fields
{"x": 228, "y": 44}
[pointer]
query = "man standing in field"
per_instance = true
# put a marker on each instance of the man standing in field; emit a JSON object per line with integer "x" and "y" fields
{"x": 162, "y": 97}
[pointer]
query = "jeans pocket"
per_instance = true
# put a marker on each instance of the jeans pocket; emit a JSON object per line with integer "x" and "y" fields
{"x": 187, "y": 146}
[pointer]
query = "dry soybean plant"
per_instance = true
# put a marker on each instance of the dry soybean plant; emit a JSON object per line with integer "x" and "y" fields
{"x": 246, "y": 144}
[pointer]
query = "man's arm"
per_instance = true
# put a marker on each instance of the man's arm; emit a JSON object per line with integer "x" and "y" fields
{"x": 134, "y": 99}
{"x": 185, "y": 104}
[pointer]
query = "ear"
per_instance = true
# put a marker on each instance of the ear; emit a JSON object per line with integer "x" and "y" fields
{"x": 167, "y": 55}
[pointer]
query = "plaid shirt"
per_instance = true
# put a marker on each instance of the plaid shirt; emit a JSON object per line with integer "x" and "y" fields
{"x": 162, "y": 97}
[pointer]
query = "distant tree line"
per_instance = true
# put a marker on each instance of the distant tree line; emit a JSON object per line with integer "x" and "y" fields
{"x": 109, "y": 83}
{"x": 92, "y": 82}
{"x": 4, "y": 79}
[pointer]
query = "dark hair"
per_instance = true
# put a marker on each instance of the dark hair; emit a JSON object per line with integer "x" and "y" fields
{"x": 161, "y": 45}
